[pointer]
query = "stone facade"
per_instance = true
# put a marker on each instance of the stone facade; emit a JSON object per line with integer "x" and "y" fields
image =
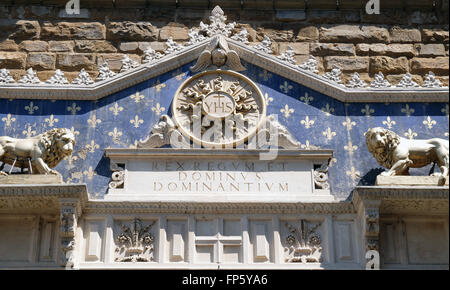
{"x": 146, "y": 185}
{"x": 35, "y": 37}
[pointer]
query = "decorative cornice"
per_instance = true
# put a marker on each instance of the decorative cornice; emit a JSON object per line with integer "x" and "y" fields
{"x": 218, "y": 153}
{"x": 155, "y": 64}
{"x": 40, "y": 196}
{"x": 99, "y": 206}
{"x": 399, "y": 194}
{"x": 30, "y": 78}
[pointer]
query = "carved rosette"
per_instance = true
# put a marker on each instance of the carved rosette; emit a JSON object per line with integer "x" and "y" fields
{"x": 303, "y": 244}
{"x": 135, "y": 243}
{"x": 218, "y": 108}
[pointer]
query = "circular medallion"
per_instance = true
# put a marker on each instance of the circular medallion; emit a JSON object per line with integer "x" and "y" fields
{"x": 218, "y": 108}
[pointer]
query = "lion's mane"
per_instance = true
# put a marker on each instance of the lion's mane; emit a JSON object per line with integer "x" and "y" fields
{"x": 391, "y": 139}
{"x": 53, "y": 154}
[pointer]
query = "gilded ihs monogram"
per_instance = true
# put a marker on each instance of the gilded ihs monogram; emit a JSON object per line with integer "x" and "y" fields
{"x": 218, "y": 108}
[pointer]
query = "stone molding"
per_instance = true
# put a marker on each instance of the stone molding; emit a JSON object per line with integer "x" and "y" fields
{"x": 217, "y": 153}
{"x": 140, "y": 207}
{"x": 403, "y": 199}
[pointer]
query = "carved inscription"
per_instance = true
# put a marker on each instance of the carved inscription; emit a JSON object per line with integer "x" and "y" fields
{"x": 219, "y": 176}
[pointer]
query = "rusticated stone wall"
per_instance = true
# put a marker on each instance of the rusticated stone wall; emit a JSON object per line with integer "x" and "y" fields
{"x": 34, "y": 36}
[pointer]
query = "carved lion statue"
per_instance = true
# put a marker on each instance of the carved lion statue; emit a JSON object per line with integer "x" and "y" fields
{"x": 399, "y": 154}
{"x": 43, "y": 151}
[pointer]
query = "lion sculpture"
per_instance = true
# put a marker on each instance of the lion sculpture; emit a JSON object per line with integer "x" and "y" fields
{"x": 41, "y": 152}
{"x": 399, "y": 154}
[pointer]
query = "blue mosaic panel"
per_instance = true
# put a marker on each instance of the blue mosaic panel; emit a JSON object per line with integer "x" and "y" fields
{"x": 317, "y": 121}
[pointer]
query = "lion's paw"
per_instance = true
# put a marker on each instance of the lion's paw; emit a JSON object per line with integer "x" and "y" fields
{"x": 54, "y": 172}
{"x": 386, "y": 173}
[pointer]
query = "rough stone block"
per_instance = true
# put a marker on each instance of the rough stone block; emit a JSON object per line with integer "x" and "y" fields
{"x": 12, "y": 60}
{"x": 353, "y": 33}
{"x": 435, "y": 35}
{"x": 129, "y": 47}
{"x": 25, "y": 29}
{"x": 347, "y": 63}
{"x": 73, "y": 30}
{"x": 388, "y": 65}
{"x": 405, "y": 35}
{"x": 41, "y": 60}
{"x": 8, "y": 45}
{"x": 115, "y": 60}
{"x": 75, "y": 62}
{"x": 275, "y": 34}
{"x": 430, "y": 49}
{"x": 132, "y": 31}
{"x": 298, "y": 47}
{"x": 94, "y": 46}
{"x": 177, "y": 31}
{"x": 324, "y": 49}
{"x": 309, "y": 33}
{"x": 34, "y": 46}
{"x": 438, "y": 65}
{"x": 61, "y": 46}
{"x": 394, "y": 50}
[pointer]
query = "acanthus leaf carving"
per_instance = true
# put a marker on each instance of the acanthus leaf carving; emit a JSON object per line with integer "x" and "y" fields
{"x": 135, "y": 242}
{"x": 151, "y": 55}
{"x": 407, "y": 82}
{"x": 265, "y": 45}
{"x": 310, "y": 65}
{"x": 194, "y": 37}
{"x": 288, "y": 56}
{"x": 128, "y": 64}
{"x": 356, "y": 82}
{"x": 379, "y": 81}
{"x": 334, "y": 75}
{"x": 83, "y": 78}
{"x": 30, "y": 78}
{"x": 58, "y": 79}
{"x": 431, "y": 81}
{"x": 172, "y": 46}
{"x": 217, "y": 24}
{"x": 105, "y": 72}
{"x": 242, "y": 36}
{"x": 303, "y": 244}
{"x": 5, "y": 77}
